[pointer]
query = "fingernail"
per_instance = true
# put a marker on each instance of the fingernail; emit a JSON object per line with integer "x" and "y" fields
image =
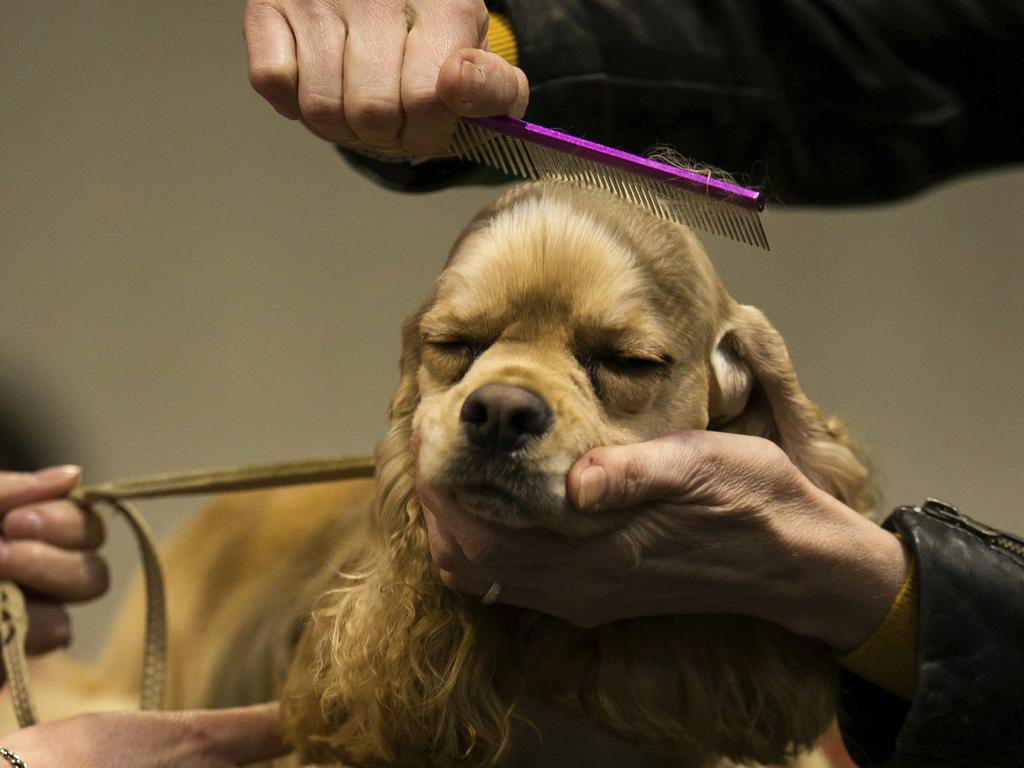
{"x": 593, "y": 483}
{"x": 57, "y": 474}
{"x": 472, "y": 80}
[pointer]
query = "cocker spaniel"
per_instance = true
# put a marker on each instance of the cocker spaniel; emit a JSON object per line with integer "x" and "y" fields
{"x": 563, "y": 320}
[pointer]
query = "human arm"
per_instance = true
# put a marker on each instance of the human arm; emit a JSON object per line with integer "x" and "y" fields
{"x": 197, "y": 739}
{"x": 835, "y": 102}
{"x": 49, "y": 547}
{"x": 775, "y": 538}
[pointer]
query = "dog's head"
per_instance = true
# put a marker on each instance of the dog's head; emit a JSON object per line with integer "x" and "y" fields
{"x": 565, "y": 320}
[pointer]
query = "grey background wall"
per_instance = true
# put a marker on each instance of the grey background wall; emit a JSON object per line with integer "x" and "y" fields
{"x": 188, "y": 279}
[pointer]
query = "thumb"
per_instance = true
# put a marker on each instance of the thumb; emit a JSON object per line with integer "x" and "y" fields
{"x": 244, "y": 735}
{"x": 475, "y": 83}
{"x": 621, "y": 476}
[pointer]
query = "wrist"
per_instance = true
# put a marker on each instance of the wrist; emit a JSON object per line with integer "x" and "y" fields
{"x": 852, "y": 570}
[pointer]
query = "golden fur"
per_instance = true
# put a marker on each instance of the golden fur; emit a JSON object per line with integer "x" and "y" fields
{"x": 549, "y": 289}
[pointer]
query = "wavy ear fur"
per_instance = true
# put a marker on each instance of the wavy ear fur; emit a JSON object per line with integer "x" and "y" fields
{"x": 393, "y": 668}
{"x": 755, "y": 391}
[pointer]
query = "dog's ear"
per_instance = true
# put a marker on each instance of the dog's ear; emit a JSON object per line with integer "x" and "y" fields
{"x": 754, "y": 390}
{"x": 731, "y": 382}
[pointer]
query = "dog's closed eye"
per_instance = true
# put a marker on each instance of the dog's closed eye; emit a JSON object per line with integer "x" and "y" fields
{"x": 628, "y": 364}
{"x": 449, "y": 357}
{"x": 624, "y": 377}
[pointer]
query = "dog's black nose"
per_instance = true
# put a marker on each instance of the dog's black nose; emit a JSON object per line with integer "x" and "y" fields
{"x": 498, "y": 418}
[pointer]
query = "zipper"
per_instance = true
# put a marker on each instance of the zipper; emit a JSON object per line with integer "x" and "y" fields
{"x": 1011, "y": 545}
{"x": 950, "y": 514}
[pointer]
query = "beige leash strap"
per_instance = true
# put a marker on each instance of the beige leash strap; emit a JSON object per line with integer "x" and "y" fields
{"x": 14, "y": 617}
{"x": 14, "y": 626}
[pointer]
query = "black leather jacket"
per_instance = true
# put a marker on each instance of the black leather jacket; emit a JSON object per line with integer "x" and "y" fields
{"x": 815, "y": 101}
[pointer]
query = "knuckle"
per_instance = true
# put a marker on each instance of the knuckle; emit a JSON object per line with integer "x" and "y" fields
{"x": 318, "y": 108}
{"x": 374, "y": 117}
{"x": 450, "y": 580}
{"x": 272, "y": 80}
{"x": 631, "y": 478}
{"x": 445, "y": 556}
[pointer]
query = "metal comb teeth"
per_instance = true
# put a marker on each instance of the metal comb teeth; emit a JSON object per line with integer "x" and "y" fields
{"x": 531, "y": 151}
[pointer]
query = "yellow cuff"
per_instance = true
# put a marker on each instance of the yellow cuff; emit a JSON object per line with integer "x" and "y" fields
{"x": 889, "y": 657}
{"x": 502, "y": 39}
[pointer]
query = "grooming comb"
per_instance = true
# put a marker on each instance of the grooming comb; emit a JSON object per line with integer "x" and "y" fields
{"x": 533, "y": 152}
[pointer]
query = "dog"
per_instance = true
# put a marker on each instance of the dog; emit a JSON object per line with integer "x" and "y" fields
{"x": 593, "y": 323}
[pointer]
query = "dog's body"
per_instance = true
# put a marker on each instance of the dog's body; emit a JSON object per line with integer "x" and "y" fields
{"x": 616, "y": 327}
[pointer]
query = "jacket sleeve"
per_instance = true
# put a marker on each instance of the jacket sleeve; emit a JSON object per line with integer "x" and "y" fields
{"x": 968, "y": 707}
{"x": 816, "y": 101}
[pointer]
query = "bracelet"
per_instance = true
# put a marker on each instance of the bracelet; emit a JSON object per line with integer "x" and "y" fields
{"x": 11, "y": 758}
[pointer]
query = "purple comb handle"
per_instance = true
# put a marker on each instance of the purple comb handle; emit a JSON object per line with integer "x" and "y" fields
{"x": 591, "y": 150}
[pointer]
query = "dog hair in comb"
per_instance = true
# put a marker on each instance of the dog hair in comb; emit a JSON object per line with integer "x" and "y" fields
{"x": 532, "y": 151}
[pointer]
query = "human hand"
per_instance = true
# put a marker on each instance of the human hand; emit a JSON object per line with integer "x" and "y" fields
{"x": 198, "y": 739}
{"x": 392, "y": 77}
{"x": 48, "y": 548}
{"x": 717, "y": 523}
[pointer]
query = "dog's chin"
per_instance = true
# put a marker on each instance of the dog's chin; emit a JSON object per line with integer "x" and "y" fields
{"x": 529, "y": 505}
{"x": 519, "y": 508}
